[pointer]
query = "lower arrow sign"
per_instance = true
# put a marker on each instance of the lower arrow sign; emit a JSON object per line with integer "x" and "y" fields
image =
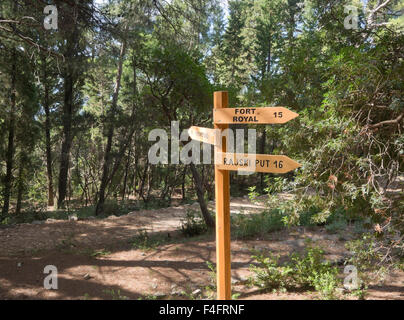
{"x": 255, "y": 163}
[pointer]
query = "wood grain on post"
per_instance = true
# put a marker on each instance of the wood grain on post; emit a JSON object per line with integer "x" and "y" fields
{"x": 222, "y": 190}
{"x": 272, "y": 115}
{"x": 256, "y": 163}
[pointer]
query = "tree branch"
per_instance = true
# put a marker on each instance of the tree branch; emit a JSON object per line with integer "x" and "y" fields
{"x": 387, "y": 123}
{"x": 370, "y": 21}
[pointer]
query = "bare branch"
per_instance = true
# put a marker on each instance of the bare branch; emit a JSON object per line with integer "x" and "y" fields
{"x": 370, "y": 20}
{"x": 388, "y": 122}
{"x": 31, "y": 42}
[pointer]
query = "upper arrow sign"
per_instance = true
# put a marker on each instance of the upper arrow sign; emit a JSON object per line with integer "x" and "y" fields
{"x": 255, "y": 163}
{"x": 209, "y": 136}
{"x": 275, "y": 115}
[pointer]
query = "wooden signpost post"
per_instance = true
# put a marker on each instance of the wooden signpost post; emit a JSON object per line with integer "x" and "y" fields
{"x": 226, "y": 162}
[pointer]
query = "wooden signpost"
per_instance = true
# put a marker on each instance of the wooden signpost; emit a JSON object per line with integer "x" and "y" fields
{"x": 209, "y": 136}
{"x": 255, "y": 163}
{"x": 276, "y": 115}
{"x": 226, "y": 162}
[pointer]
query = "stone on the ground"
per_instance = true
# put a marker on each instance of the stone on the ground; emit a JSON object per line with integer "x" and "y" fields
{"x": 159, "y": 295}
{"x": 73, "y": 217}
{"x": 340, "y": 290}
{"x": 87, "y": 277}
{"x": 197, "y": 291}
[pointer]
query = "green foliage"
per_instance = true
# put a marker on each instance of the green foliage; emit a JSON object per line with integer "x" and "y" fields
{"x": 336, "y": 226}
{"x": 29, "y": 216}
{"x": 269, "y": 274}
{"x": 371, "y": 259}
{"x": 235, "y": 296}
{"x": 309, "y": 216}
{"x": 193, "y": 224}
{"x": 212, "y": 273}
{"x": 306, "y": 271}
{"x": 210, "y": 290}
{"x": 148, "y": 297}
{"x": 311, "y": 270}
{"x": 86, "y": 296}
{"x": 247, "y": 226}
{"x": 112, "y": 208}
{"x": 289, "y": 214}
{"x": 143, "y": 241}
{"x": 364, "y": 253}
{"x": 100, "y": 253}
{"x": 253, "y": 194}
{"x": 67, "y": 245}
{"x": 374, "y": 257}
{"x": 115, "y": 295}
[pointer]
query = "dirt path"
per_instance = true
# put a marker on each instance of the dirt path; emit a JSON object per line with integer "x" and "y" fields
{"x": 177, "y": 270}
{"x": 28, "y": 238}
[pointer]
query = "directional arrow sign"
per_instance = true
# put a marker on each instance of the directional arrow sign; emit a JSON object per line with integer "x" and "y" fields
{"x": 255, "y": 163}
{"x": 276, "y": 115}
{"x": 209, "y": 136}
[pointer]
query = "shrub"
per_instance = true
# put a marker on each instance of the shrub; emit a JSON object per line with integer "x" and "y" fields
{"x": 253, "y": 194}
{"x": 372, "y": 258}
{"x": 115, "y": 295}
{"x": 257, "y": 224}
{"x": 270, "y": 274}
{"x": 313, "y": 271}
{"x": 143, "y": 241}
{"x": 336, "y": 226}
{"x": 193, "y": 224}
{"x": 115, "y": 208}
{"x": 307, "y": 217}
{"x": 306, "y": 271}
{"x": 212, "y": 272}
{"x": 365, "y": 253}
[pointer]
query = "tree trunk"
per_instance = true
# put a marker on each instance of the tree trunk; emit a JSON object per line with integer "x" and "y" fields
{"x": 11, "y": 134}
{"x": 20, "y": 183}
{"x": 70, "y": 76}
{"x": 125, "y": 180}
{"x": 135, "y": 171}
{"x": 269, "y": 59}
{"x": 199, "y": 192}
{"x": 143, "y": 180}
{"x": 46, "y": 103}
{"x": 184, "y": 175}
{"x": 134, "y": 181}
{"x": 67, "y": 139}
{"x": 107, "y": 157}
